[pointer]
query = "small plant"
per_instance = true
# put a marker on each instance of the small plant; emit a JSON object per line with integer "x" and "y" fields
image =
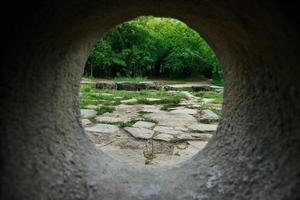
{"x": 93, "y": 120}
{"x": 104, "y": 109}
{"x": 143, "y": 112}
{"x": 128, "y": 123}
{"x": 149, "y": 152}
{"x": 208, "y": 121}
{"x": 176, "y": 140}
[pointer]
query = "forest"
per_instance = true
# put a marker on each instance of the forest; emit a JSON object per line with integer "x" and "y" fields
{"x": 153, "y": 47}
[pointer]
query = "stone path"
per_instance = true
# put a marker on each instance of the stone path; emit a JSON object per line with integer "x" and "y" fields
{"x": 174, "y": 134}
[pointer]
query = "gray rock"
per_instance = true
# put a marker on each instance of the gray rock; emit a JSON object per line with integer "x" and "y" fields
{"x": 143, "y": 124}
{"x": 202, "y": 136}
{"x": 87, "y": 113}
{"x": 141, "y": 133}
{"x": 129, "y": 86}
{"x": 163, "y": 137}
{"x": 105, "y": 85}
{"x": 85, "y": 122}
{"x": 202, "y": 127}
{"x": 197, "y": 88}
{"x": 208, "y": 115}
{"x": 171, "y": 119}
{"x": 103, "y": 128}
{"x": 185, "y": 136}
{"x": 167, "y": 130}
{"x": 185, "y": 111}
{"x": 110, "y": 119}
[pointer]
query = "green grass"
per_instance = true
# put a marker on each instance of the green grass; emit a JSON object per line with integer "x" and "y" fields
{"x": 218, "y": 97}
{"x": 104, "y": 109}
{"x": 93, "y": 120}
{"x": 93, "y": 96}
{"x": 219, "y": 82}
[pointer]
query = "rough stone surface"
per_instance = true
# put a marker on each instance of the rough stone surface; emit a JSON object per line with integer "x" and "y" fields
{"x": 167, "y": 130}
{"x": 45, "y": 154}
{"x": 103, "y": 128}
{"x": 143, "y": 124}
{"x": 111, "y": 119}
{"x": 202, "y": 136}
{"x": 87, "y": 113}
{"x": 164, "y": 137}
{"x": 185, "y": 111}
{"x": 105, "y": 85}
{"x": 86, "y": 122}
{"x": 202, "y": 127}
{"x": 208, "y": 115}
{"x": 171, "y": 119}
{"x": 141, "y": 133}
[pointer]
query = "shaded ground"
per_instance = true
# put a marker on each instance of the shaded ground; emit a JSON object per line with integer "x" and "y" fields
{"x": 158, "y": 128}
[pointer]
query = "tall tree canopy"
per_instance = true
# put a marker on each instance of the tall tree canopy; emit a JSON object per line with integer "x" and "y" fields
{"x": 152, "y": 47}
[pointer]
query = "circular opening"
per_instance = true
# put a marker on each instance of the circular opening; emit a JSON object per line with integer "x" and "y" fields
{"x": 150, "y": 93}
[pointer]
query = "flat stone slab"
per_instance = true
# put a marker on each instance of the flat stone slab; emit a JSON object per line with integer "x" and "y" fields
{"x": 87, "y": 113}
{"x": 167, "y": 130}
{"x": 129, "y": 101}
{"x": 111, "y": 119}
{"x": 185, "y": 111}
{"x": 202, "y": 136}
{"x": 163, "y": 137}
{"x": 151, "y": 108}
{"x": 103, "y": 128}
{"x": 85, "y": 122}
{"x": 141, "y": 133}
{"x": 208, "y": 115}
{"x": 172, "y": 119}
{"x": 143, "y": 124}
{"x": 186, "y": 136}
{"x": 202, "y": 127}
{"x": 198, "y": 144}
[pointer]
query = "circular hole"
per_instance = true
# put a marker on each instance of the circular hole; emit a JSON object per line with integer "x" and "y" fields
{"x": 149, "y": 93}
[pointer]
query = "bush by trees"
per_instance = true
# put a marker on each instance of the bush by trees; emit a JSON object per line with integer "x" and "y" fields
{"x": 152, "y": 47}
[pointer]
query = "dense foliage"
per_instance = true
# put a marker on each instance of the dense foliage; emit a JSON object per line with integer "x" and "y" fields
{"x": 152, "y": 47}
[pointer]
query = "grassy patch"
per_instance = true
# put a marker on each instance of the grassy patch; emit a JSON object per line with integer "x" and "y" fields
{"x": 128, "y": 123}
{"x": 93, "y": 120}
{"x": 176, "y": 140}
{"x": 93, "y": 96}
{"x": 212, "y": 108}
{"x": 218, "y": 97}
{"x": 166, "y": 107}
{"x": 143, "y": 112}
{"x": 104, "y": 109}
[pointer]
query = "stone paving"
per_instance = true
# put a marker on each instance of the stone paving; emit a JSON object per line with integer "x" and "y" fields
{"x": 175, "y": 134}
